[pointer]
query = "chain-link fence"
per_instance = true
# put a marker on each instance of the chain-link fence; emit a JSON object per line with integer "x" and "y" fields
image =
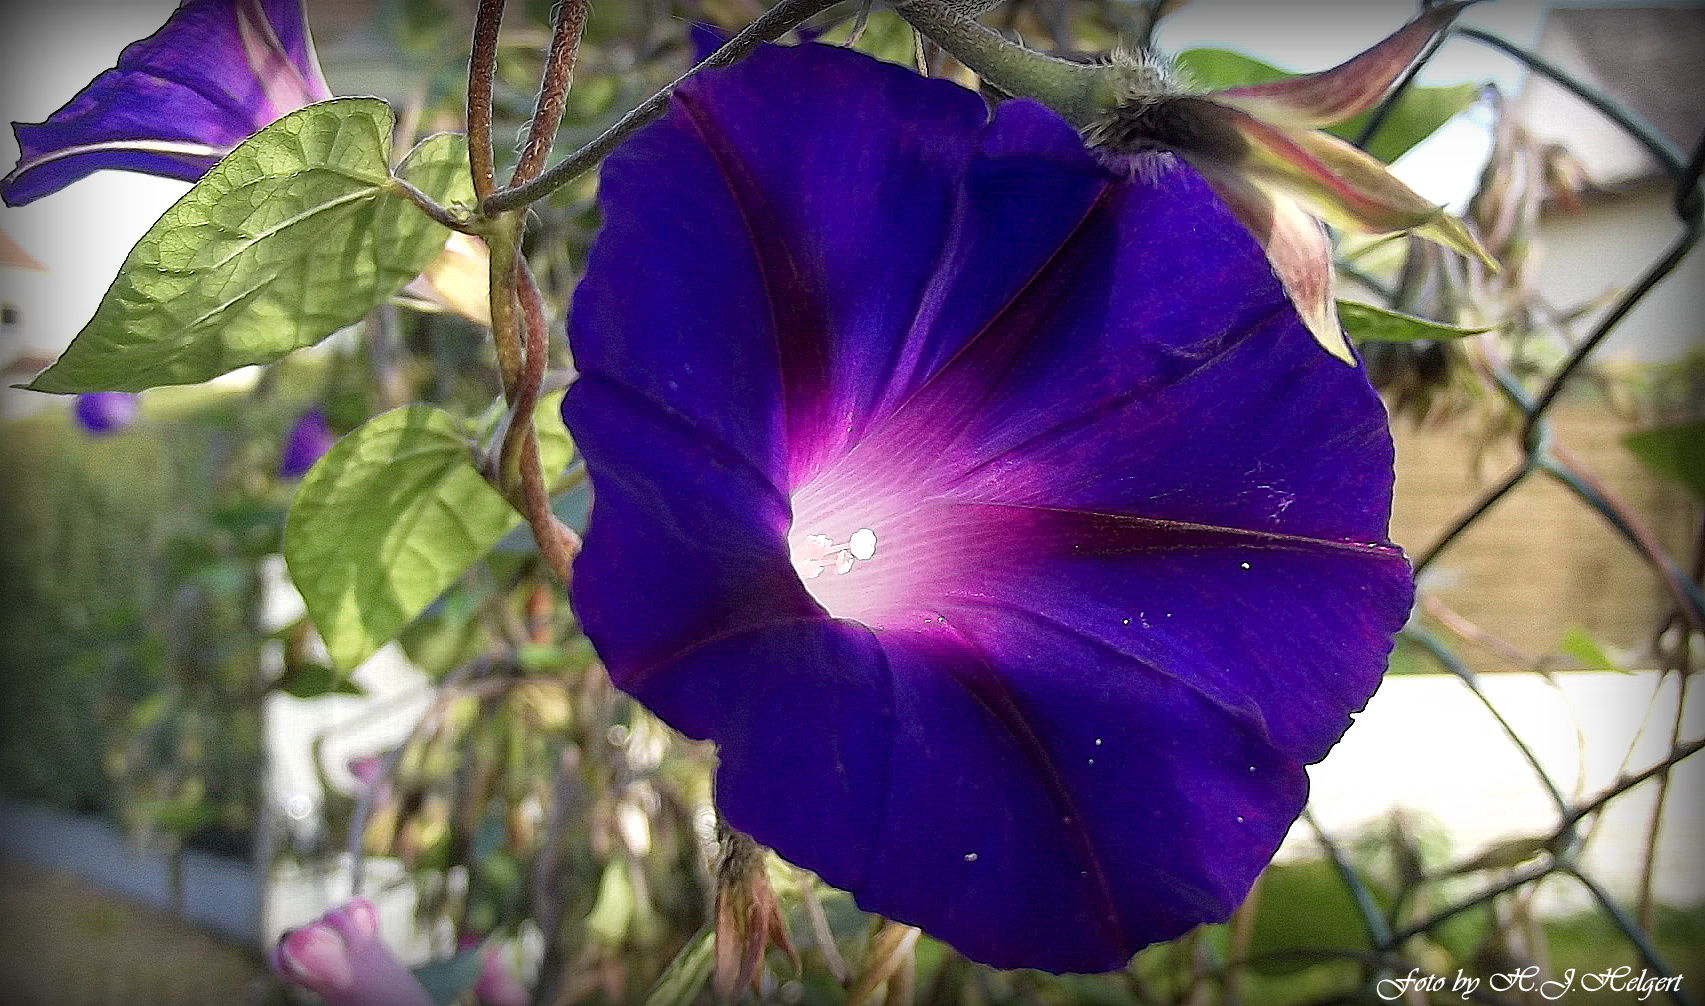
{"x": 534, "y": 804}
{"x": 1407, "y": 900}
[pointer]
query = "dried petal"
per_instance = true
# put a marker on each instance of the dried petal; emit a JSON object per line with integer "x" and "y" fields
{"x": 1327, "y": 98}
{"x": 1297, "y": 248}
{"x": 890, "y": 951}
{"x": 748, "y": 918}
{"x": 1345, "y": 186}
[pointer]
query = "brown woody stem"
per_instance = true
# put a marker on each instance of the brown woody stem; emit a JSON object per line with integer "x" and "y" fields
{"x": 557, "y": 543}
{"x": 568, "y": 23}
{"x": 780, "y": 19}
{"x": 482, "y": 66}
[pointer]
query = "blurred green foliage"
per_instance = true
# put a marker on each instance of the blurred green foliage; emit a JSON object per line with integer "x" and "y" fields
{"x": 129, "y": 666}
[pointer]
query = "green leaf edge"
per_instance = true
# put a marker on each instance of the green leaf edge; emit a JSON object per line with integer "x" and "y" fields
{"x": 1370, "y": 323}
{"x": 426, "y": 156}
{"x": 1675, "y": 452}
{"x": 555, "y": 448}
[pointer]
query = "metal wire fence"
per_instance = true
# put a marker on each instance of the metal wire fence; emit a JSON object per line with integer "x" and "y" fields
{"x": 534, "y": 801}
{"x": 1511, "y": 872}
{"x": 1417, "y": 924}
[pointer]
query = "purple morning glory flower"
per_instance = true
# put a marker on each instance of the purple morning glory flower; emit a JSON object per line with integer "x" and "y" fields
{"x": 178, "y": 100}
{"x": 309, "y": 439}
{"x": 103, "y": 412}
{"x": 996, "y": 515}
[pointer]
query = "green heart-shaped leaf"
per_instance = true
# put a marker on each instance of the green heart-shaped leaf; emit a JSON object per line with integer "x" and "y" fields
{"x": 390, "y": 517}
{"x": 297, "y": 233}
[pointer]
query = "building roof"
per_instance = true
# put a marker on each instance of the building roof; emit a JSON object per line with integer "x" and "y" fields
{"x": 1648, "y": 59}
{"x": 13, "y": 256}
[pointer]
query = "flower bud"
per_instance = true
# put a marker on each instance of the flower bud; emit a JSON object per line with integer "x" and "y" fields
{"x": 497, "y": 984}
{"x": 340, "y": 958}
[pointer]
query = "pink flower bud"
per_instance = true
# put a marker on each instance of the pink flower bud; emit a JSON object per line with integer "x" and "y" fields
{"x": 497, "y": 984}
{"x": 340, "y": 958}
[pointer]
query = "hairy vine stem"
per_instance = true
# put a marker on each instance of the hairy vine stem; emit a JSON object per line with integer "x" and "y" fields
{"x": 779, "y": 20}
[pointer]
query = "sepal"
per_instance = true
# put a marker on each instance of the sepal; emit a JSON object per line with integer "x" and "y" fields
{"x": 1317, "y": 100}
{"x": 1345, "y": 186}
{"x": 1297, "y": 248}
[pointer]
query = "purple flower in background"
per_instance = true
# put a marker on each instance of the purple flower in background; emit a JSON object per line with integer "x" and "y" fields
{"x": 996, "y": 516}
{"x": 309, "y": 439}
{"x": 178, "y": 100}
{"x": 341, "y": 958}
{"x": 103, "y": 412}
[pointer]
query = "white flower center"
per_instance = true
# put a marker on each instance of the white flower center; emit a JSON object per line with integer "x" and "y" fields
{"x": 815, "y": 554}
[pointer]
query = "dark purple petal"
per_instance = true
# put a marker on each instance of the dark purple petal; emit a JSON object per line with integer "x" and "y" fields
{"x": 1072, "y": 811}
{"x": 994, "y": 514}
{"x": 1146, "y": 340}
{"x": 683, "y": 522}
{"x": 1208, "y": 607}
{"x": 178, "y": 100}
{"x": 803, "y": 714}
{"x": 857, "y": 131}
{"x": 103, "y": 412}
{"x": 307, "y": 442}
{"x": 706, "y": 39}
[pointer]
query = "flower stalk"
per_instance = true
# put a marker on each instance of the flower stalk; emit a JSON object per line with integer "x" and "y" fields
{"x": 557, "y": 543}
{"x": 568, "y": 24}
{"x": 482, "y": 67}
{"x": 518, "y": 321}
{"x": 503, "y": 237}
{"x": 779, "y": 20}
{"x": 520, "y": 336}
{"x": 1079, "y": 92}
